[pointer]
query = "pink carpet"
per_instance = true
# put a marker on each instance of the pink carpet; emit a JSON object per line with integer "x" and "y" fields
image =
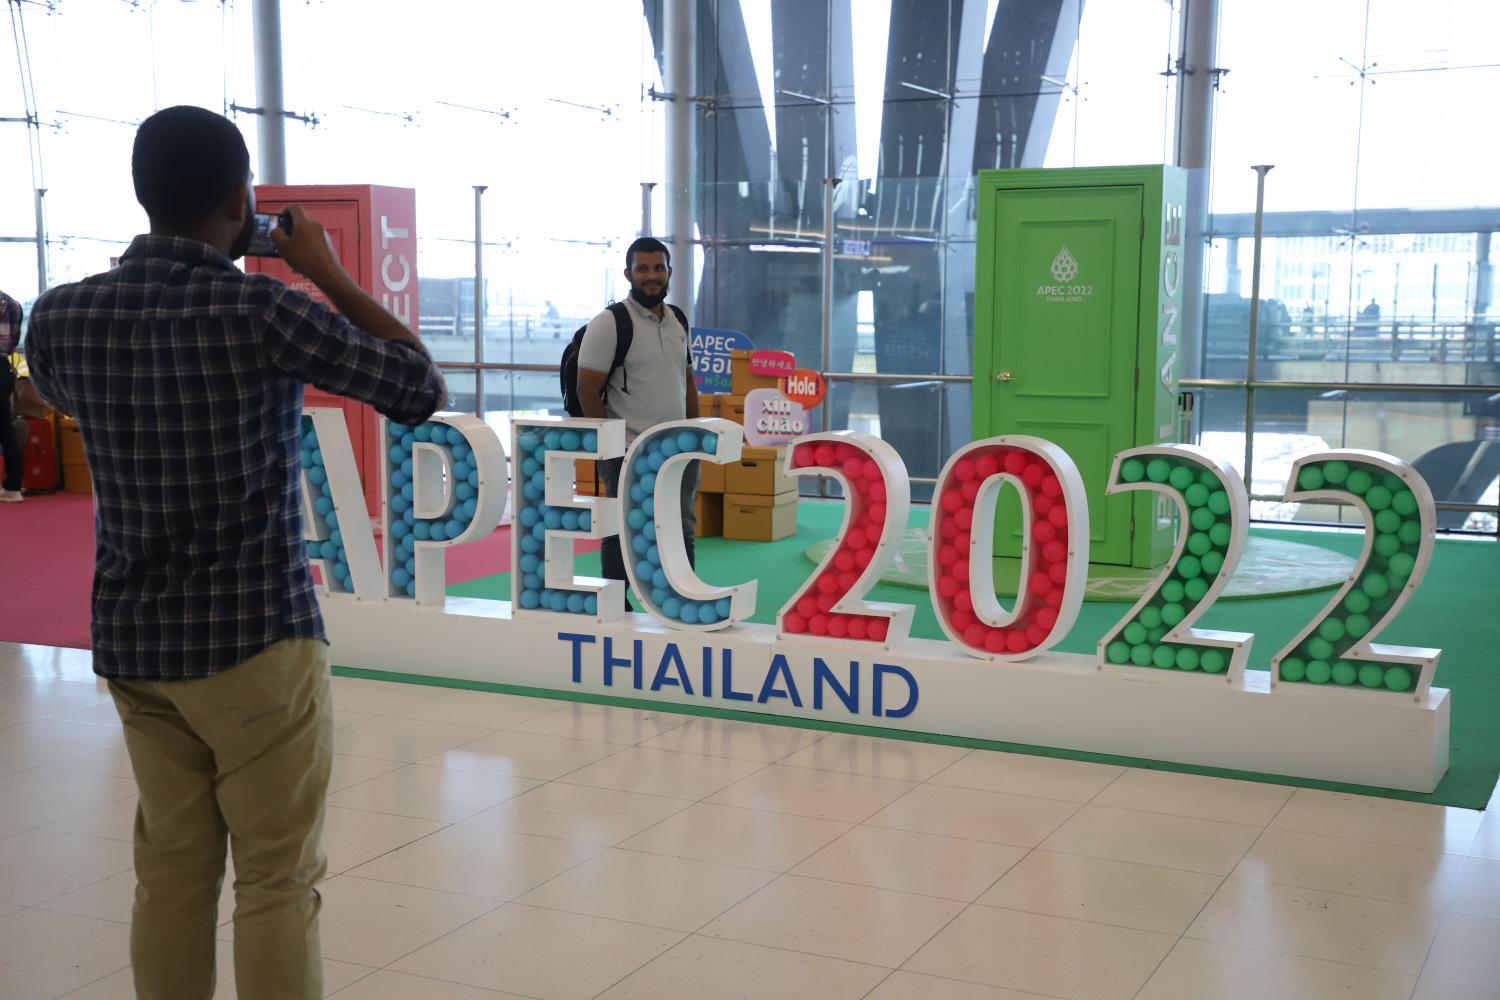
{"x": 47, "y": 563}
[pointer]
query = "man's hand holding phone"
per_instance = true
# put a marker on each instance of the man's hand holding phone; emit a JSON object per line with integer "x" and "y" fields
{"x": 302, "y": 242}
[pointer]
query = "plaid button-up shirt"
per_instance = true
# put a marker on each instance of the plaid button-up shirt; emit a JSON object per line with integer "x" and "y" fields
{"x": 185, "y": 375}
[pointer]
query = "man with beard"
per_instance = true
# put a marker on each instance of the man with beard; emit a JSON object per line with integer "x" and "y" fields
{"x": 186, "y": 376}
{"x": 652, "y": 385}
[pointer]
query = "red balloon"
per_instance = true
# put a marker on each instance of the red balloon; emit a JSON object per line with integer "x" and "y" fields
{"x": 960, "y": 571}
{"x": 947, "y": 586}
{"x": 963, "y": 602}
{"x": 1015, "y": 462}
{"x": 1054, "y": 599}
{"x": 794, "y": 622}
{"x": 969, "y": 491}
{"x": 1043, "y": 531}
{"x": 848, "y": 451}
{"x": 873, "y": 532}
{"x": 807, "y": 606}
{"x": 828, "y": 583}
{"x": 872, "y": 471}
{"x": 965, "y": 518}
{"x": 947, "y": 555}
{"x": 986, "y": 465}
{"x": 1032, "y": 475}
{"x": 844, "y": 560}
{"x": 974, "y": 635}
{"x": 876, "y": 493}
{"x": 877, "y": 513}
{"x": 962, "y": 541}
{"x": 877, "y": 629}
{"x": 1046, "y": 618}
{"x": 952, "y": 501}
{"x": 1055, "y": 551}
{"x": 1058, "y": 572}
{"x": 1040, "y": 584}
{"x": 826, "y": 602}
{"x": 819, "y": 624}
{"x": 846, "y": 581}
{"x": 857, "y": 540}
{"x": 1016, "y": 642}
{"x": 1042, "y": 504}
{"x": 1052, "y": 487}
{"x": 824, "y": 454}
{"x": 805, "y": 455}
{"x": 964, "y": 470}
{"x": 854, "y": 469}
{"x": 863, "y": 556}
{"x": 858, "y": 627}
{"x": 994, "y": 640}
{"x": 1058, "y": 515}
{"x": 838, "y": 626}
{"x": 961, "y": 620}
{"x": 1036, "y": 635}
{"x": 947, "y": 527}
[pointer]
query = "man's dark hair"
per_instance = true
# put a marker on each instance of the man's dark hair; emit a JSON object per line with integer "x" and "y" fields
{"x": 646, "y": 244}
{"x": 185, "y": 162}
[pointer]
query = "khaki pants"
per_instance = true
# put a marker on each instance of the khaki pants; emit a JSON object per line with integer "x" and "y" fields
{"x": 244, "y": 754}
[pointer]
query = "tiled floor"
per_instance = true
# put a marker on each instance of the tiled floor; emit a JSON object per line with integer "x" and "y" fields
{"x": 488, "y": 846}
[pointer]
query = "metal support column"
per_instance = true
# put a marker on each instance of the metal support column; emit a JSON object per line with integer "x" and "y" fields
{"x": 268, "y": 96}
{"x": 646, "y": 187}
{"x": 479, "y": 190}
{"x": 1198, "y": 79}
{"x": 678, "y": 58}
{"x": 824, "y": 362}
{"x": 41, "y": 242}
{"x": 1260, "y": 211}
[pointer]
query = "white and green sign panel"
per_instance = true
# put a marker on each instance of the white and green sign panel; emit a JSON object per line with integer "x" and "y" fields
{"x": 1077, "y": 329}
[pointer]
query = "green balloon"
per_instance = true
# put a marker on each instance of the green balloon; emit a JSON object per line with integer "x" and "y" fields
{"x": 1135, "y": 633}
{"x": 1410, "y": 532}
{"x": 1220, "y": 534}
{"x": 1202, "y": 519}
{"x": 1219, "y": 503}
{"x": 1212, "y": 563}
{"x": 1357, "y": 601}
{"x": 1292, "y": 669}
{"x": 1195, "y": 589}
{"x": 1331, "y": 629}
{"x": 1182, "y": 477}
{"x": 1172, "y": 591}
{"x": 1404, "y": 502}
{"x": 1172, "y": 614}
{"x": 1310, "y": 478}
{"x": 1150, "y": 616}
{"x": 1336, "y": 471}
{"x": 1318, "y": 671}
{"x": 1156, "y": 635}
{"x": 1199, "y": 543}
{"x": 1387, "y": 545}
{"x": 1158, "y": 469}
{"x": 1189, "y": 568}
{"x": 1378, "y": 497}
{"x": 1392, "y": 482}
{"x": 1357, "y": 625}
{"x": 1164, "y": 657}
{"x": 1359, "y": 480}
{"x": 1213, "y": 661}
{"x": 1375, "y": 585}
{"x": 1209, "y": 478}
{"x": 1187, "y": 658}
{"x": 1395, "y": 581}
{"x": 1118, "y": 652}
{"x": 1402, "y": 564}
{"x": 1319, "y": 648}
{"x": 1387, "y": 522}
{"x": 1132, "y": 470}
{"x": 1371, "y": 676}
{"x": 1397, "y": 678}
{"x": 1141, "y": 655}
{"x": 1196, "y": 495}
{"x": 1345, "y": 673}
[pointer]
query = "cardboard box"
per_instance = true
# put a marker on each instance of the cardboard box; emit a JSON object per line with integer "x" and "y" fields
{"x": 708, "y": 404}
{"x": 76, "y": 478}
{"x": 732, "y": 408}
{"x": 583, "y": 473}
{"x": 710, "y": 477}
{"x": 710, "y": 510}
{"x": 756, "y": 518}
{"x": 761, "y": 471}
{"x": 741, "y": 381}
{"x": 70, "y": 440}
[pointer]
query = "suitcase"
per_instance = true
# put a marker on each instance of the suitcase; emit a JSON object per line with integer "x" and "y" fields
{"x": 38, "y": 455}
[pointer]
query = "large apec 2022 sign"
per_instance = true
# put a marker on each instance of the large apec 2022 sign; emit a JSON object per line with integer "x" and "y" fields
{"x": 1157, "y": 686}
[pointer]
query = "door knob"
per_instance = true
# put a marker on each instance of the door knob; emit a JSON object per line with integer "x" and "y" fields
{"x": 1004, "y": 376}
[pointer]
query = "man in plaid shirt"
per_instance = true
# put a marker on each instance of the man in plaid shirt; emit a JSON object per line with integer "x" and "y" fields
{"x": 186, "y": 375}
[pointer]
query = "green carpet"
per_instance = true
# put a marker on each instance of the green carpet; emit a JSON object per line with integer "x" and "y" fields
{"x": 1460, "y": 591}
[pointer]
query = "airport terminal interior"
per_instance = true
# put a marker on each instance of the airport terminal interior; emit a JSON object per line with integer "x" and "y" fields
{"x": 899, "y": 199}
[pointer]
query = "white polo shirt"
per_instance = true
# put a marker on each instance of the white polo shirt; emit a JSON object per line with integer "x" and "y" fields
{"x": 656, "y": 368}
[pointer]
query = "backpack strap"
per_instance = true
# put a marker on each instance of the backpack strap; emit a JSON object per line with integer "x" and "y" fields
{"x": 624, "y": 336}
{"x": 687, "y": 334}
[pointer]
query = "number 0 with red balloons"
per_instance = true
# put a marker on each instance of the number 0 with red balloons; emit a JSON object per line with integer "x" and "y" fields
{"x": 1054, "y": 533}
{"x": 877, "y": 496}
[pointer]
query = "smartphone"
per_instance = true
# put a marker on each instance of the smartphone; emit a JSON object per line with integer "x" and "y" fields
{"x": 260, "y": 242}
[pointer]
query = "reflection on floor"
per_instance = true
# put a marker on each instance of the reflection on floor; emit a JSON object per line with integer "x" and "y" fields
{"x": 490, "y": 846}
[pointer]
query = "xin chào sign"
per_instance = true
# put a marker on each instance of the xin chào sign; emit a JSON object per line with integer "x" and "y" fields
{"x": 1337, "y": 704}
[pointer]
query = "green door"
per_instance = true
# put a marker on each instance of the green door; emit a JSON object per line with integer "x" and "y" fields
{"x": 1065, "y": 324}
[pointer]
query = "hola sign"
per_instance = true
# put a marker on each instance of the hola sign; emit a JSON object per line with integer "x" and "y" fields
{"x": 444, "y": 484}
{"x": 804, "y": 386}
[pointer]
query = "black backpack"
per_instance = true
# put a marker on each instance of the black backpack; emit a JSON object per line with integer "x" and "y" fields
{"x": 624, "y": 334}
